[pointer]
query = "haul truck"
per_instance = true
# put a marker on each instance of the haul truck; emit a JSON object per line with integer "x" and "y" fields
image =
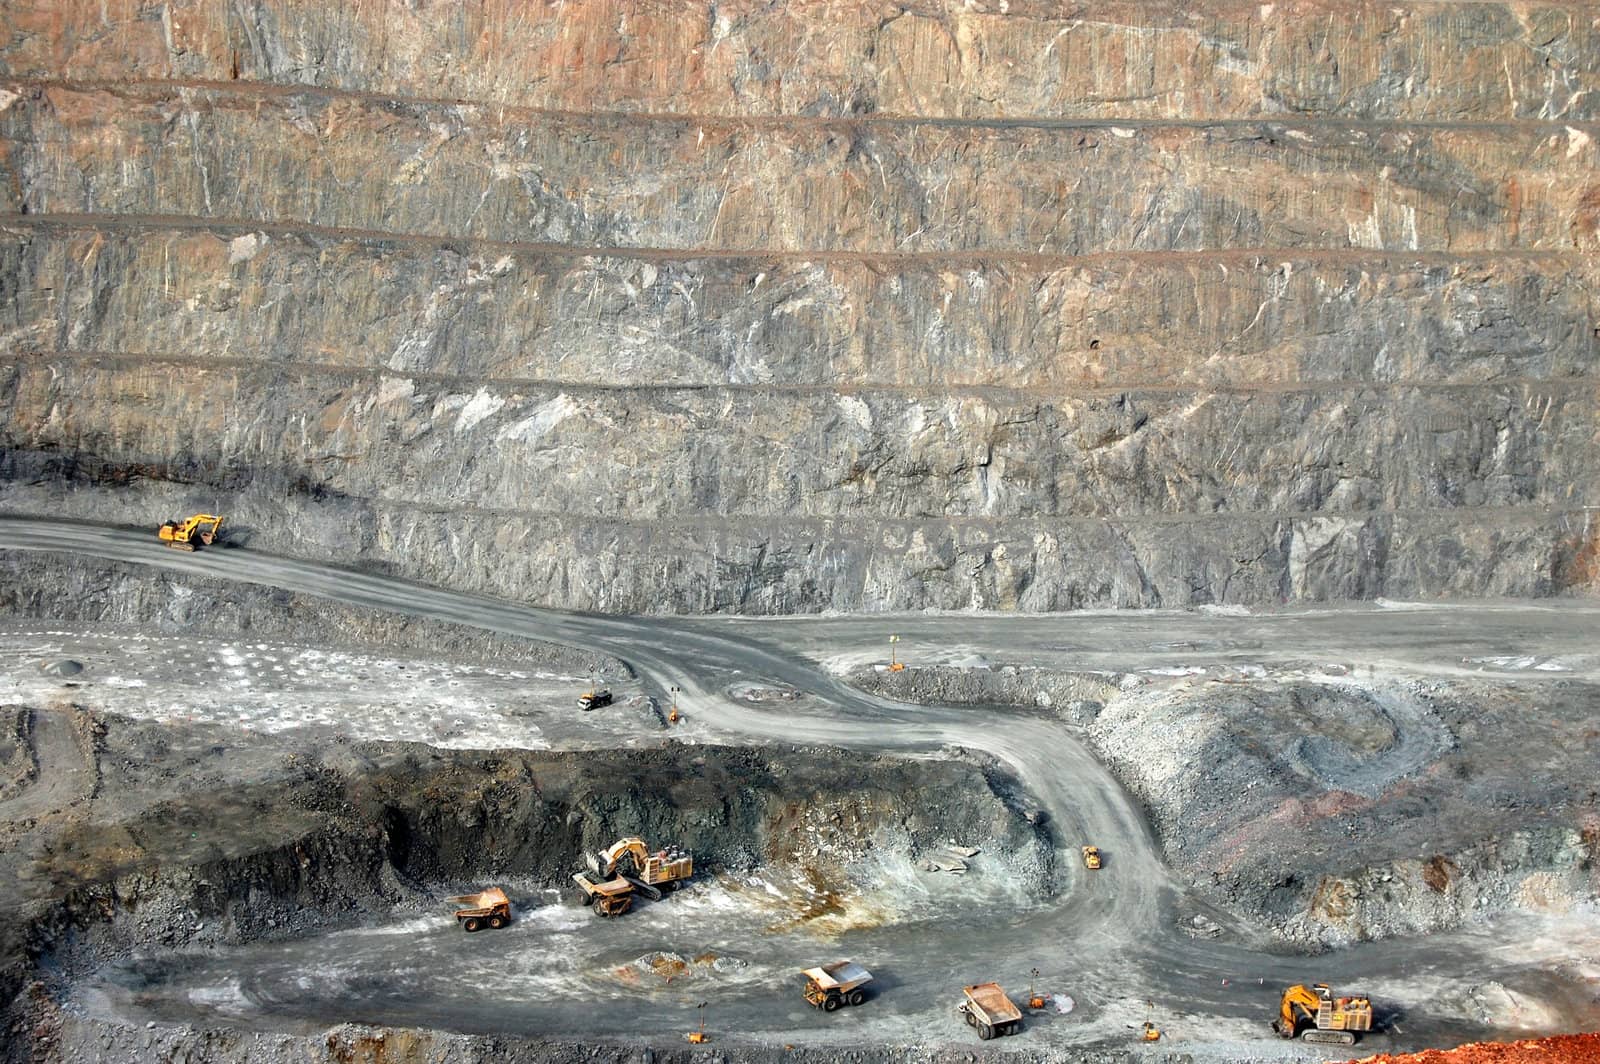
{"x": 987, "y": 1008}
{"x": 832, "y": 985}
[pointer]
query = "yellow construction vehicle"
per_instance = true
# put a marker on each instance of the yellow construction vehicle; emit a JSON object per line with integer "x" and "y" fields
{"x": 651, "y": 871}
{"x": 1313, "y": 1014}
{"x": 986, "y": 1007}
{"x": 490, "y": 908}
{"x": 594, "y": 698}
{"x": 192, "y": 533}
{"x": 1091, "y": 857}
{"x": 831, "y": 985}
{"x": 607, "y": 898}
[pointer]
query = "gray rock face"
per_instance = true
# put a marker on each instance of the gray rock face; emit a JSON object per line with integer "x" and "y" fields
{"x": 1038, "y": 328}
{"x": 1333, "y": 810}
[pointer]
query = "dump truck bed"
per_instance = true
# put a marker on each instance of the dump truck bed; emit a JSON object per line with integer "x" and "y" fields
{"x": 606, "y": 889}
{"x": 841, "y": 975}
{"x": 487, "y": 899}
{"x": 992, "y": 1004}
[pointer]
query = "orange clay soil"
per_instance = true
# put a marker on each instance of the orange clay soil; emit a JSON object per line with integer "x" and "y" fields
{"x": 1564, "y": 1049}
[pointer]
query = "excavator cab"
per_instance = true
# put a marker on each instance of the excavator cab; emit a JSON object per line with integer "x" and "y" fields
{"x": 191, "y": 533}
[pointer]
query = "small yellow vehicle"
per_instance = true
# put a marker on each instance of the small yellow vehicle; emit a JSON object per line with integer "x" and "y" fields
{"x": 1091, "y": 857}
{"x": 192, "y": 533}
{"x": 490, "y": 908}
{"x": 832, "y": 985}
{"x": 598, "y": 698}
{"x": 989, "y": 1010}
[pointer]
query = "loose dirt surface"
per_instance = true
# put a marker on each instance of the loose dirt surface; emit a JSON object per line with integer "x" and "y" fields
{"x": 351, "y": 691}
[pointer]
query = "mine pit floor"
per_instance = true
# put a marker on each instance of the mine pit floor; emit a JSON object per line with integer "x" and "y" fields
{"x": 1117, "y": 942}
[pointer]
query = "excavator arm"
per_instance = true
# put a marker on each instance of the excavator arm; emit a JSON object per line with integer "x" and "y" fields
{"x": 607, "y": 859}
{"x": 1296, "y": 997}
{"x": 210, "y": 522}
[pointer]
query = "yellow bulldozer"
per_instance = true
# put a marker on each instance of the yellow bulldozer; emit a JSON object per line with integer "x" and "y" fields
{"x": 192, "y": 533}
{"x": 1313, "y": 1014}
{"x": 651, "y": 873}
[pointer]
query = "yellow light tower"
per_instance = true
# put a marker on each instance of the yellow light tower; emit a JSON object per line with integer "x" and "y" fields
{"x": 698, "y": 1037}
{"x": 1035, "y": 999}
{"x": 894, "y": 664}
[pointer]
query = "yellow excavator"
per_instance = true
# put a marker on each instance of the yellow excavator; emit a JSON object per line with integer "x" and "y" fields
{"x": 1313, "y": 1014}
{"x": 651, "y": 871}
{"x": 192, "y": 533}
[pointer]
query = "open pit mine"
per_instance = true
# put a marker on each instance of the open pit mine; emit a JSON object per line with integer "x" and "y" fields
{"x": 901, "y": 531}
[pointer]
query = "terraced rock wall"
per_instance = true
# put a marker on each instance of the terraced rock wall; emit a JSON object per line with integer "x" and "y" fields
{"x": 663, "y": 306}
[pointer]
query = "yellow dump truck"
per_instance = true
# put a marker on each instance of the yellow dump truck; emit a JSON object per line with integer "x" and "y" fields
{"x": 987, "y": 1008}
{"x": 490, "y": 908}
{"x": 607, "y": 897}
{"x": 1313, "y": 1014}
{"x": 832, "y": 985}
{"x": 596, "y": 698}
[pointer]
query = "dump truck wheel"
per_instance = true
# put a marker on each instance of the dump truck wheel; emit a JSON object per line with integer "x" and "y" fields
{"x": 985, "y": 1032}
{"x": 857, "y": 997}
{"x": 830, "y": 1003}
{"x": 600, "y": 909}
{"x": 497, "y": 922}
{"x": 971, "y": 1020}
{"x": 471, "y": 923}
